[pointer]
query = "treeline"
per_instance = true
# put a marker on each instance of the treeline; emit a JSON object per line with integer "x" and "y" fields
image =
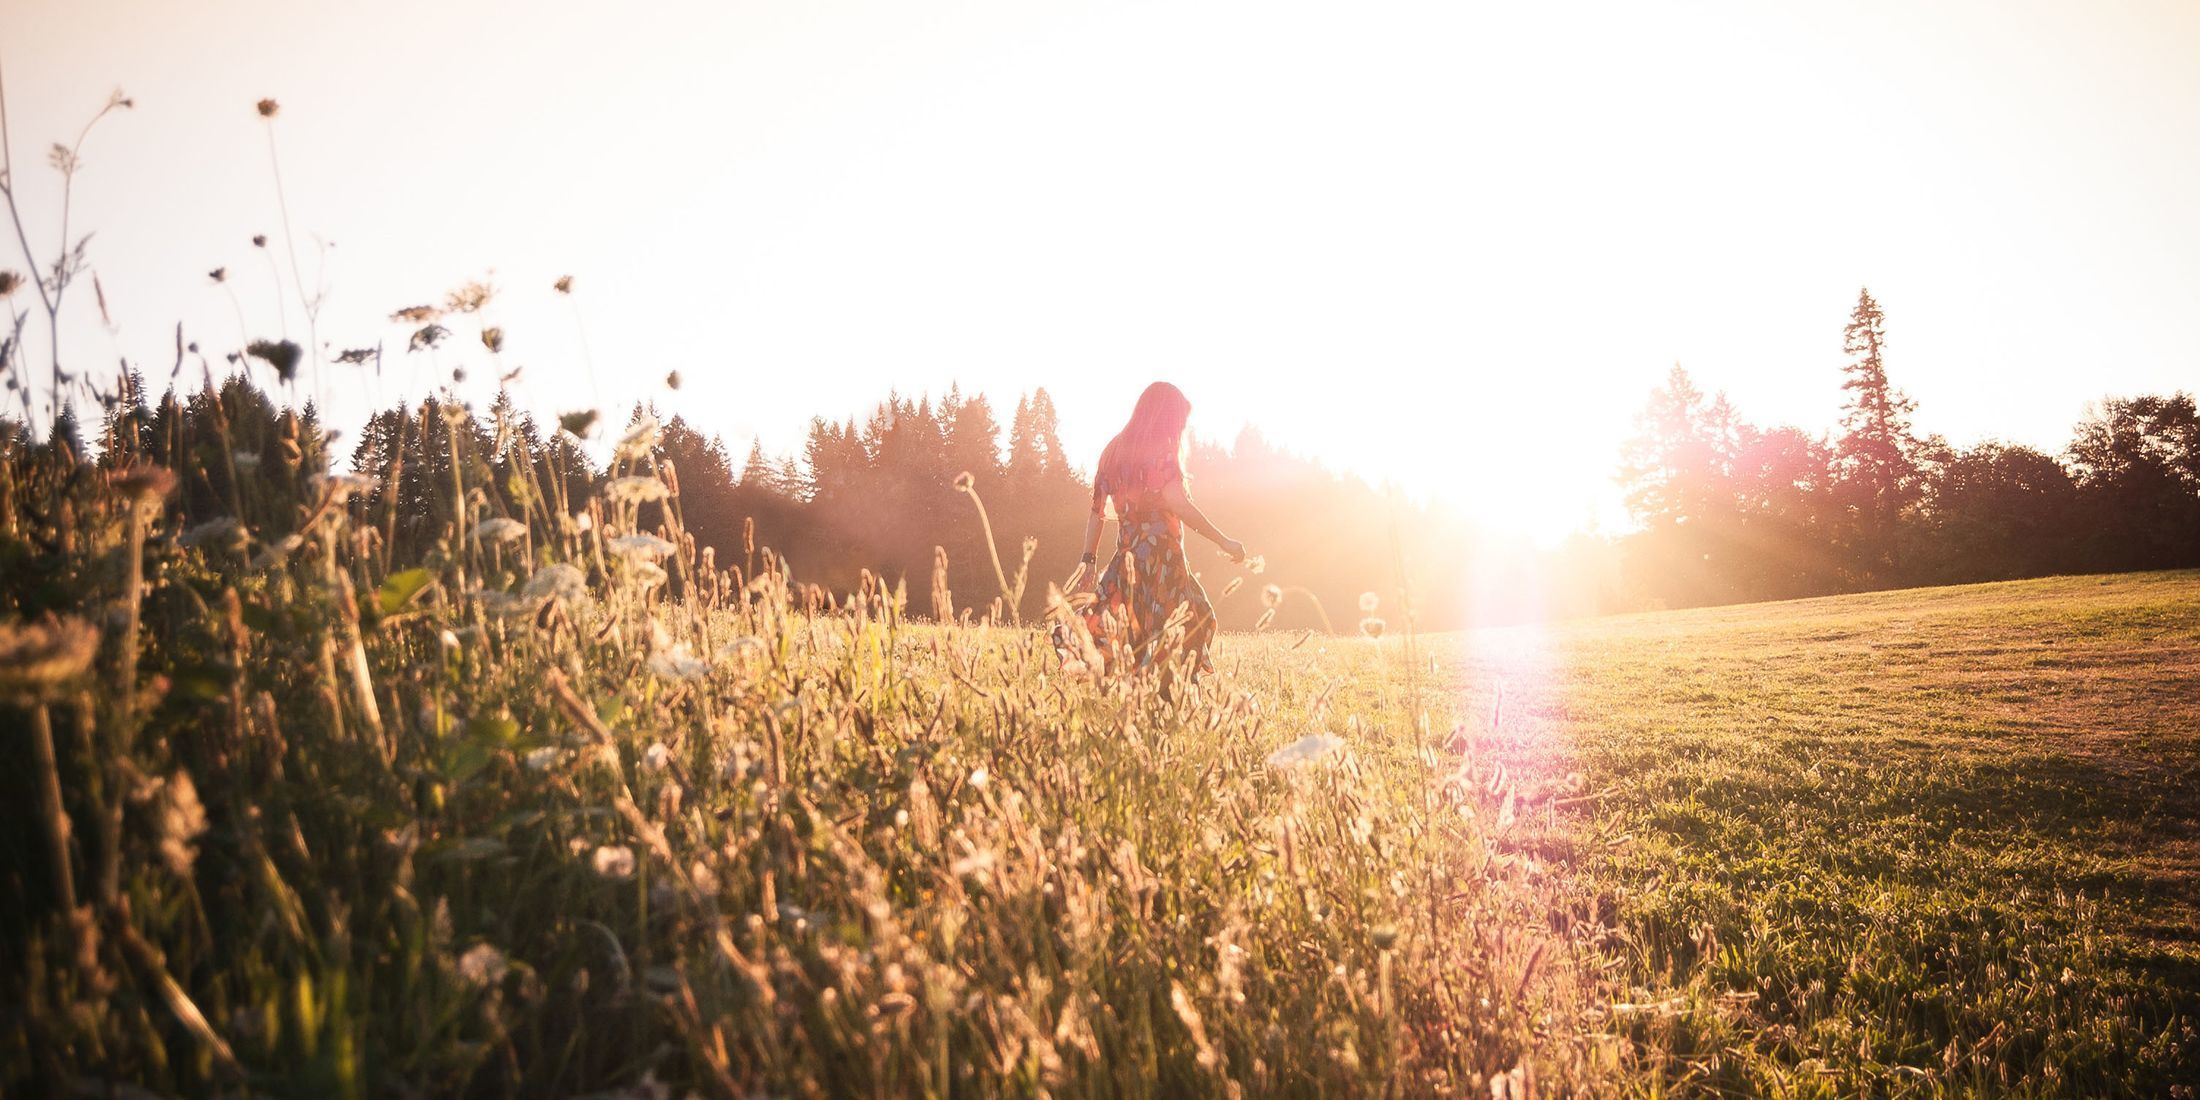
{"x": 1732, "y": 512}
{"x": 881, "y": 494}
{"x": 1728, "y": 511}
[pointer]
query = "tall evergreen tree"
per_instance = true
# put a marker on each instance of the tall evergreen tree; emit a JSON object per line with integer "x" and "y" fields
{"x": 1877, "y": 451}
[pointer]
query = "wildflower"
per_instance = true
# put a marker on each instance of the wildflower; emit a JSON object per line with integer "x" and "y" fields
{"x": 678, "y": 663}
{"x": 429, "y": 336}
{"x": 1305, "y": 750}
{"x": 45, "y": 653}
{"x": 564, "y": 285}
{"x": 224, "y": 530}
{"x": 144, "y": 481}
{"x": 416, "y": 315}
{"x": 639, "y": 437}
{"x": 219, "y": 275}
{"x": 672, "y": 380}
{"x": 615, "y": 861}
{"x": 493, "y": 338}
{"x": 342, "y": 487}
{"x": 1372, "y": 626}
{"x": 541, "y": 760}
{"x": 283, "y": 355}
{"x": 980, "y": 778}
{"x": 482, "y": 965}
{"x": 641, "y": 548}
{"x": 577, "y": 424}
{"x": 1256, "y": 565}
{"x": 454, "y": 413}
{"x": 636, "y": 490}
{"x": 1271, "y": 597}
{"x": 11, "y": 281}
{"x": 470, "y": 297}
{"x": 557, "y": 581}
{"x": 352, "y": 357}
{"x": 1369, "y": 601}
{"x": 268, "y": 107}
{"x": 965, "y": 482}
{"x": 447, "y": 640}
{"x": 277, "y": 551}
{"x": 504, "y": 605}
{"x": 656, "y": 757}
{"x": 583, "y": 522}
{"x": 259, "y": 240}
{"x": 182, "y": 822}
{"x": 500, "y": 529}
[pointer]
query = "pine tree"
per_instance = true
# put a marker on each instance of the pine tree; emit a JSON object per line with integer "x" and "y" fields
{"x": 1877, "y": 451}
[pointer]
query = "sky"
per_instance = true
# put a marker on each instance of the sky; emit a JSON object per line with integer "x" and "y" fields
{"x": 1448, "y": 245}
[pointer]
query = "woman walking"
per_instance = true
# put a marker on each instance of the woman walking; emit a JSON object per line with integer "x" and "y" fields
{"x": 1147, "y": 592}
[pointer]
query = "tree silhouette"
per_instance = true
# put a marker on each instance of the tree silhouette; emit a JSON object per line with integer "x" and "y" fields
{"x": 1879, "y": 467}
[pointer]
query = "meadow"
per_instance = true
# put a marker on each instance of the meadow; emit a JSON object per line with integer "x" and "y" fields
{"x": 514, "y": 820}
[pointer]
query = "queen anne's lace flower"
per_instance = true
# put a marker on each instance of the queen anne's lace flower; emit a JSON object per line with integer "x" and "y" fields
{"x": 499, "y": 529}
{"x": 1305, "y": 750}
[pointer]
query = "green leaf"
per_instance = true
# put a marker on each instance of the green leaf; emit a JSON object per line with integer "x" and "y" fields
{"x": 399, "y": 589}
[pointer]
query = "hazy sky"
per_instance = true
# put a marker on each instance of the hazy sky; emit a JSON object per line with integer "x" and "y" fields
{"x": 1445, "y": 243}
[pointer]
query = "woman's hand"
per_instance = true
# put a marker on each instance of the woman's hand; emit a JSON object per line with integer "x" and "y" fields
{"x": 1232, "y": 549}
{"x": 1085, "y": 579}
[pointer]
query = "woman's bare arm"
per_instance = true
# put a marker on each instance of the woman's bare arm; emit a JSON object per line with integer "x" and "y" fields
{"x": 1180, "y": 502}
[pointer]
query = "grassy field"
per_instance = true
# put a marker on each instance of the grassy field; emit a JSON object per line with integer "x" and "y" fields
{"x": 1934, "y": 841}
{"x": 300, "y": 820}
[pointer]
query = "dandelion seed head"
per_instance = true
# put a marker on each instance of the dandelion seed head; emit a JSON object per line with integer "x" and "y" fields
{"x": 965, "y": 482}
{"x": 656, "y": 757}
{"x": 1271, "y": 597}
{"x": 268, "y": 108}
{"x": 1369, "y": 601}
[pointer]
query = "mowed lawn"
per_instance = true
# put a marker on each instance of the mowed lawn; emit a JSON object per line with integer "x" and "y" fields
{"x": 1918, "y": 842}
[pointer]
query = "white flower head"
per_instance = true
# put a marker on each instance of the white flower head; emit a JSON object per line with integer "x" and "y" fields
{"x": 499, "y": 530}
{"x": 542, "y": 759}
{"x": 615, "y": 861}
{"x": 656, "y": 757}
{"x": 1369, "y": 601}
{"x": 1305, "y": 750}
{"x": 342, "y": 487}
{"x": 276, "y": 552}
{"x": 482, "y": 964}
{"x": 640, "y": 438}
{"x": 647, "y": 574}
{"x": 636, "y": 490}
{"x": 557, "y": 581}
{"x": 221, "y": 531}
{"x": 641, "y": 547}
{"x": 678, "y": 663}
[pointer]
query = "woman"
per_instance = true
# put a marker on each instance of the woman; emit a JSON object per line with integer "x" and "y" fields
{"x": 1148, "y": 585}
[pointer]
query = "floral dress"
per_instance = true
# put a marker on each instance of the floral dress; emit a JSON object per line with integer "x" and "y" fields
{"x": 1148, "y": 606}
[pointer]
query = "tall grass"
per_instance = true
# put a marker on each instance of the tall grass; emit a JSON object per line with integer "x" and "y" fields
{"x": 509, "y": 820}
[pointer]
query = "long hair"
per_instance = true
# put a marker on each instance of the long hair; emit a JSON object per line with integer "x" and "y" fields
{"x": 1149, "y": 452}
